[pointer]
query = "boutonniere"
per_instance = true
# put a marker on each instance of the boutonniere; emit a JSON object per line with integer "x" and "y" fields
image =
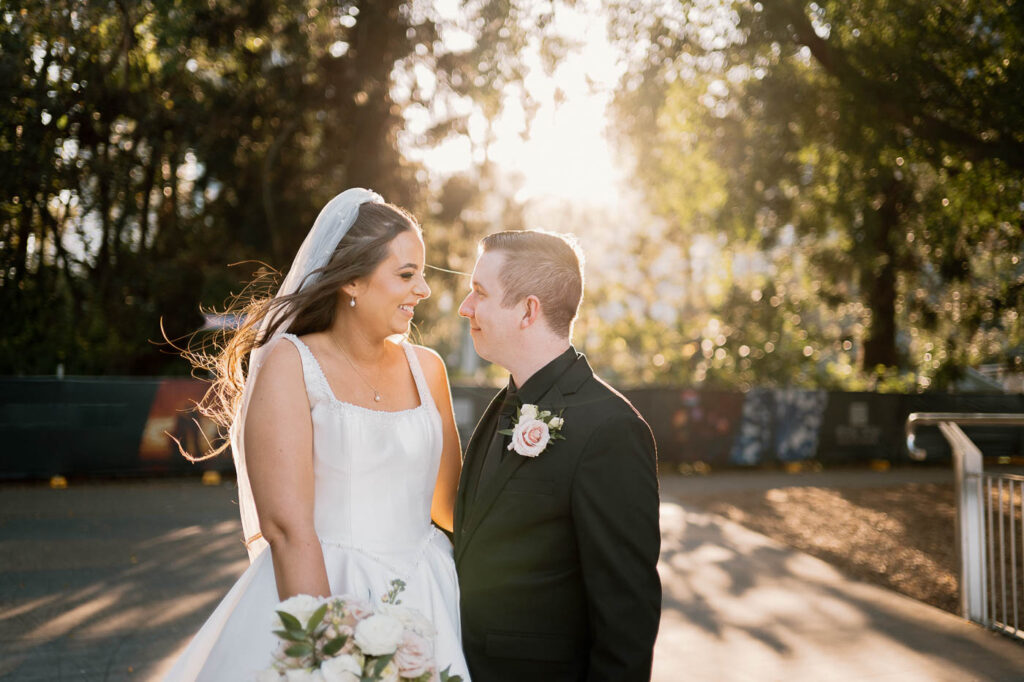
{"x": 533, "y": 430}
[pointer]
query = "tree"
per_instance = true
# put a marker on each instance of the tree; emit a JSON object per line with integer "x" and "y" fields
{"x": 885, "y": 137}
{"x": 143, "y": 146}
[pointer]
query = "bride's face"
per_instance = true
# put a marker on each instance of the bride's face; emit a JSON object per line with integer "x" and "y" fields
{"x": 385, "y": 300}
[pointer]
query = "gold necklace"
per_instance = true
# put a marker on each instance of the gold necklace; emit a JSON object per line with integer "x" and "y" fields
{"x": 376, "y": 394}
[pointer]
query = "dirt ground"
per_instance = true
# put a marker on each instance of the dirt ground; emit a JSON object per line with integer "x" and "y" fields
{"x": 900, "y": 537}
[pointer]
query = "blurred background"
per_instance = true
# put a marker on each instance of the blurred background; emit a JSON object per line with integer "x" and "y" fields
{"x": 802, "y": 220}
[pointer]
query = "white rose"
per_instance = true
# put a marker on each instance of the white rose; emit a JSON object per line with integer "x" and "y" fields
{"x": 411, "y": 619}
{"x": 528, "y": 412}
{"x": 414, "y": 656}
{"x": 341, "y": 669}
{"x": 556, "y": 422}
{"x": 379, "y": 634}
{"x": 301, "y": 606}
{"x": 530, "y": 437}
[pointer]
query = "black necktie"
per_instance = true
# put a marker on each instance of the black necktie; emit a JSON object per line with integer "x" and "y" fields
{"x": 496, "y": 450}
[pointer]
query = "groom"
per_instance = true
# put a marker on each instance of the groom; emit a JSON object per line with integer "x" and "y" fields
{"x": 556, "y": 550}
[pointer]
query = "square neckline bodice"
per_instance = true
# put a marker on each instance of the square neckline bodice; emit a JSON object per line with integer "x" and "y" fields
{"x": 319, "y": 387}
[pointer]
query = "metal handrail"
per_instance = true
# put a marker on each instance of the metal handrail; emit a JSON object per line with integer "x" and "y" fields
{"x": 968, "y": 419}
{"x": 970, "y": 522}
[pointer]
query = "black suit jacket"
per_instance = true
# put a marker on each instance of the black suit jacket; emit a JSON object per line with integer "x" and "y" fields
{"x": 557, "y": 555}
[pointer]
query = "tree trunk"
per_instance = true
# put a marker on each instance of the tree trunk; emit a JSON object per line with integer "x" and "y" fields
{"x": 878, "y": 279}
{"x": 24, "y": 230}
{"x": 379, "y": 40}
{"x": 880, "y": 342}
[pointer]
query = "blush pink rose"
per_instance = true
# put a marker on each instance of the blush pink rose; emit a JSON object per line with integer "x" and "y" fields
{"x": 530, "y": 437}
{"x": 415, "y": 655}
{"x": 357, "y": 609}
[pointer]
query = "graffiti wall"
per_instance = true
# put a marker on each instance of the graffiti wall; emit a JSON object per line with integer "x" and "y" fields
{"x": 115, "y": 427}
{"x": 101, "y": 427}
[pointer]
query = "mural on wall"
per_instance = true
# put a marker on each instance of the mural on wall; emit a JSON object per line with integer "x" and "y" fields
{"x": 173, "y": 420}
{"x": 700, "y": 424}
{"x": 96, "y": 426}
{"x": 779, "y": 425}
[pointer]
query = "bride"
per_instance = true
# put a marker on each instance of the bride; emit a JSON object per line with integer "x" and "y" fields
{"x": 344, "y": 441}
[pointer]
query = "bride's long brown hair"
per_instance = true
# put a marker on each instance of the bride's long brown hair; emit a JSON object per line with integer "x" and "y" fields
{"x": 226, "y": 354}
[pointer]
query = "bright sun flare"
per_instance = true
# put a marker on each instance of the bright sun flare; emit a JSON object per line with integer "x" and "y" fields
{"x": 565, "y": 154}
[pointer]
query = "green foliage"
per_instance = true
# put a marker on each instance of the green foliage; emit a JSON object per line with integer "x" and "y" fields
{"x": 145, "y": 146}
{"x": 397, "y": 587}
{"x": 315, "y": 619}
{"x": 291, "y": 623}
{"x": 870, "y": 151}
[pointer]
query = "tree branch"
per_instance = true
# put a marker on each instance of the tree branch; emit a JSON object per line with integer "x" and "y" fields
{"x": 893, "y": 103}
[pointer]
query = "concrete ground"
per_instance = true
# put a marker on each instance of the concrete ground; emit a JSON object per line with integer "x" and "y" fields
{"x": 108, "y": 581}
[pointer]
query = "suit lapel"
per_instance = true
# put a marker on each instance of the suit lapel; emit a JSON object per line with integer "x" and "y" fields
{"x": 478, "y": 505}
{"x": 471, "y": 463}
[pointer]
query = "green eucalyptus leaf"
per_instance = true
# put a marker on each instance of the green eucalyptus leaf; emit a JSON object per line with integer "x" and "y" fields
{"x": 299, "y": 650}
{"x": 290, "y": 621}
{"x": 381, "y": 663}
{"x": 316, "y": 618}
{"x": 335, "y": 645}
{"x": 290, "y": 635}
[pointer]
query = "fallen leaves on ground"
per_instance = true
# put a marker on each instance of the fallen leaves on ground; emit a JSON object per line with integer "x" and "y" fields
{"x": 900, "y": 537}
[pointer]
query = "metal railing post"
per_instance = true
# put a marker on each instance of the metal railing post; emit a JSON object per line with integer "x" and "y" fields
{"x": 970, "y": 521}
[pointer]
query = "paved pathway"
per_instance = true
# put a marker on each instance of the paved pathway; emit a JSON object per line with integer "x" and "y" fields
{"x": 107, "y": 581}
{"x": 740, "y": 607}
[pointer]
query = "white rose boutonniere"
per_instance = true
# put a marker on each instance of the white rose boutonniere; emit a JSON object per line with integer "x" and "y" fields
{"x": 533, "y": 430}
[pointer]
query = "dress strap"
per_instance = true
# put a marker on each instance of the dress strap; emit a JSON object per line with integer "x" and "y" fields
{"x": 426, "y": 399}
{"x": 317, "y": 387}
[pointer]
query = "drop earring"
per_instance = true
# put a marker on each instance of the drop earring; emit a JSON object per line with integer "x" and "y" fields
{"x": 352, "y": 303}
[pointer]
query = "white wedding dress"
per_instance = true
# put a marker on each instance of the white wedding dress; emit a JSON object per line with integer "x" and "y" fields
{"x": 375, "y": 473}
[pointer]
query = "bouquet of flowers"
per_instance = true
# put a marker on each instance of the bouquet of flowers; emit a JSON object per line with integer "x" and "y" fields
{"x": 347, "y": 639}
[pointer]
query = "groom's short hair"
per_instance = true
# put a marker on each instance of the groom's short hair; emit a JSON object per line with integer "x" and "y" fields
{"x": 548, "y": 265}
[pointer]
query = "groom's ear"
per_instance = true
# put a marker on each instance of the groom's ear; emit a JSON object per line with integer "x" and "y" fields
{"x": 531, "y": 313}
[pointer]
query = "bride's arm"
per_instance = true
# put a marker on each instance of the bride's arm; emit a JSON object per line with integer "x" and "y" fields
{"x": 442, "y": 510}
{"x": 279, "y": 459}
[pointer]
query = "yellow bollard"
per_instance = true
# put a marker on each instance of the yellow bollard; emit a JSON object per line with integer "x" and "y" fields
{"x": 211, "y": 478}
{"x": 58, "y": 482}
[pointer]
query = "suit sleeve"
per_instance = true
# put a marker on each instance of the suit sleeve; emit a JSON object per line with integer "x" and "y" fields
{"x": 615, "y": 514}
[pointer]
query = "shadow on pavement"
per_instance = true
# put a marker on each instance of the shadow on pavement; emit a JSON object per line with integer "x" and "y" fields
{"x": 739, "y": 606}
{"x": 106, "y": 581}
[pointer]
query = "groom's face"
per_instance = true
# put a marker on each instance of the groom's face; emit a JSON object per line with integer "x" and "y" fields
{"x": 493, "y": 327}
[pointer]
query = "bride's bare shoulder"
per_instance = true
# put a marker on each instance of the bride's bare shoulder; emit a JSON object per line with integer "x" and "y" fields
{"x": 281, "y": 370}
{"x": 432, "y": 364}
